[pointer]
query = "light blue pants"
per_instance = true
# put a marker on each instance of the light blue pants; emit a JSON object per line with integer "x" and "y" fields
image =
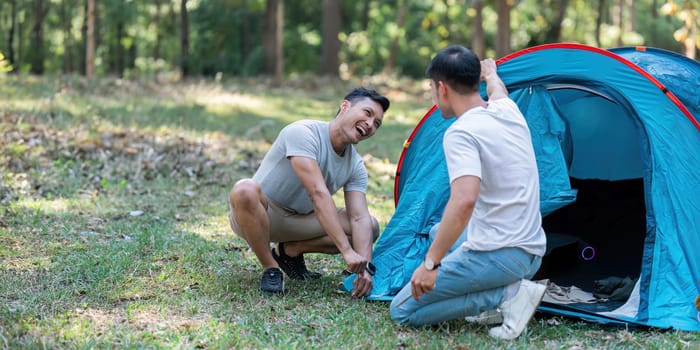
{"x": 468, "y": 283}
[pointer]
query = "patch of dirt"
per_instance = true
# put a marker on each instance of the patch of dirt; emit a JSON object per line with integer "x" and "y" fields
{"x": 143, "y": 320}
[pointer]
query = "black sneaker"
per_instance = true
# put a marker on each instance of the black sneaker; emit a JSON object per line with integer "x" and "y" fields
{"x": 294, "y": 267}
{"x": 272, "y": 281}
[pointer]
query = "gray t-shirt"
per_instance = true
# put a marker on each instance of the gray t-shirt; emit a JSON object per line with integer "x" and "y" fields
{"x": 307, "y": 138}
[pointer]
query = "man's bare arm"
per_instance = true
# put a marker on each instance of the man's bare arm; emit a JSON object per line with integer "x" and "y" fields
{"x": 310, "y": 176}
{"x": 463, "y": 193}
{"x": 360, "y": 222}
{"x": 495, "y": 88}
{"x": 362, "y": 237}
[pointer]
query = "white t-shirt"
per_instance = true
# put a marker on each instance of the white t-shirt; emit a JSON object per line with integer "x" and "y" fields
{"x": 494, "y": 144}
{"x": 307, "y": 138}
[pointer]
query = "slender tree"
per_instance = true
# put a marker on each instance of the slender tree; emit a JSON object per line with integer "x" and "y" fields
{"x": 553, "y": 34}
{"x": 66, "y": 10}
{"x": 159, "y": 32}
{"x": 599, "y": 21}
{"x": 478, "y": 36}
{"x": 118, "y": 59}
{"x": 41, "y": 9}
{"x": 631, "y": 24}
{"x": 245, "y": 31}
{"x": 90, "y": 40}
{"x": 330, "y": 44}
{"x": 184, "y": 39}
{"x": 272, "y": 40}
{"x": 618, "y": 18}
{"x": 394, "y": 49}
{"x": 503, "y": 23}
{"x": 364, "y": 21}
{"x": 11, "y": 34}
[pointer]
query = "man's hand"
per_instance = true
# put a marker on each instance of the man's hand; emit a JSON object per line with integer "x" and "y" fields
{"x": 488, "y": 67}
{"x": 423, "y": 281}
{"x": 362, "y": 285}
{"x": 495, "y": 88}
{"x": 356, "y": 263}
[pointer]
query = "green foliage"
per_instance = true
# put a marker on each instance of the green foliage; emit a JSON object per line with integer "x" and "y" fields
{"x": 142, "y": 38}
{"x": 4, "y": 64}
{"x": 225, "y": 37}
{"x": 302, "y": 50}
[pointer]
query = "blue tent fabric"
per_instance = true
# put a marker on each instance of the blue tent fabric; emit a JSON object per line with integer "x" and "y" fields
{"x": 404, "y": 240}
{"x": 548, "y": 132}
{"x": 627, "y": 113}
{"x": 678, "y": 73}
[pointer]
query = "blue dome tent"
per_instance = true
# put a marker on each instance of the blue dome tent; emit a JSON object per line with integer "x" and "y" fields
{"x": 617, "y": 141}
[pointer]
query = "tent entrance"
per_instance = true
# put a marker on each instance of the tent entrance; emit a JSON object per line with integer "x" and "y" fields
{"x": 601, "y": 234}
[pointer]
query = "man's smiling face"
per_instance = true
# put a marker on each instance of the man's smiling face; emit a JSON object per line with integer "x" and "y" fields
{"x": 360, "y": 119}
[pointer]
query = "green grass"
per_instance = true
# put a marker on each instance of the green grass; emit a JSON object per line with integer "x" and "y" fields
{"x": 114, "y": 234}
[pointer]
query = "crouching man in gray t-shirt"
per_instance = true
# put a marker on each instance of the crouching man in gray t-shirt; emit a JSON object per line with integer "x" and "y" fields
{"x": 289, "y": 199}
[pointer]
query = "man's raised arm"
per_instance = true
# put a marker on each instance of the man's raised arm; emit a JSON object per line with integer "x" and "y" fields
{"x": 495, "y": 88}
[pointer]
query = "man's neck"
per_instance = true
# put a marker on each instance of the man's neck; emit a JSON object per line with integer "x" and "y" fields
{"x": 469, "y": 102}
{"x": 334, "y": 134}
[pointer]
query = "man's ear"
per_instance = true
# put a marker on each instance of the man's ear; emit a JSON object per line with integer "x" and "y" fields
{"x": 344, "y": 105}
{"x": 442, "y": 88}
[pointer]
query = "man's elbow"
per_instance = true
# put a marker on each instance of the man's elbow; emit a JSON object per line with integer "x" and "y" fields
{"x": 466, "y": 203}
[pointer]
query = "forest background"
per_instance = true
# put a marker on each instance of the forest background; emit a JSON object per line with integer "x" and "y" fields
{"x": 243, "y": 38}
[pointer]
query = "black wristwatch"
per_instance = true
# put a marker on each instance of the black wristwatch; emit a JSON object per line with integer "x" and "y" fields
{"x": 371, "y": 269}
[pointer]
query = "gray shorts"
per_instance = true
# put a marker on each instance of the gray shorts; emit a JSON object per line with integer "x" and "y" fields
{"x": 286, "y": 226}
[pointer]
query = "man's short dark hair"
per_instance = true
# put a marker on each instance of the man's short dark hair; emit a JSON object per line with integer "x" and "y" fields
{"x": 360, "y": 92}
{"x": 458, "y": 67}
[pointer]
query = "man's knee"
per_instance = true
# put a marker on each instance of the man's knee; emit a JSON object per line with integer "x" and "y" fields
{"x": 398, "y": 314}
{"x": 245, "y": 192}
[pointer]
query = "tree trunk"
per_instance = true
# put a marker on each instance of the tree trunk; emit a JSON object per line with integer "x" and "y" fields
{"x": 66, "y": 16}
{"x": 37, "y": 38}
{"x": 184, "y": 39}
{"x": 159, "y": 32}
{"x": 245, "y": 33}
{"x": 90, "y": 42}
{"x": 11, "y": 35}
{"x": 631, "y": 24}
{"x": 131, "y": 57}
{"x": 503, "y": 35}
{"x": 655, "y": 25}
{"x": 553, "y": 35}
{"x": 478, "y": 38}
{"x": 119, "y": 49}
{"x": 272, "y": 40}
{"x": 20, "y": 40}
{"x": 394, "y": 49}
{"x": 599, "y": 21}
{"x": 365, "y": 15}
{"x": 618, "y": 18}
{"x": 330, "y": 46}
